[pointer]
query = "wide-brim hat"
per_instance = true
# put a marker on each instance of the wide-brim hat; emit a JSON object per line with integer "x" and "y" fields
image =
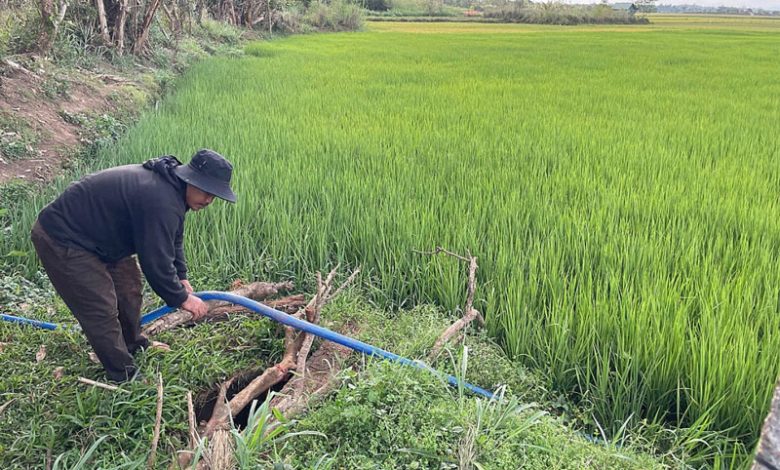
{"x": 209, "y": 172}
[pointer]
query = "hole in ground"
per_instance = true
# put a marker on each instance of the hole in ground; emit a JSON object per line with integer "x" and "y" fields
{"x": 205, "y": 400}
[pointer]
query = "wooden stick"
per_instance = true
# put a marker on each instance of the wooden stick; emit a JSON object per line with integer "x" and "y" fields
{"x": 5, "y": 405}
{"x": 438, "y": 250}
{"x": 157, "y": 422}
{"x": 94, "y": 383}
{"x": 191, "y": 419}
{"x": 184, "y": 458}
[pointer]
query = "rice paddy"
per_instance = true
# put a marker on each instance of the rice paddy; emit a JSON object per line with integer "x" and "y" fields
{"x": 619, "y": 186}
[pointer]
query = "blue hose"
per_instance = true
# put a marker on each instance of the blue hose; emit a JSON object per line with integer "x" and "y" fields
{"x": 27, "y": 321}
{"x": 291, "y": 321}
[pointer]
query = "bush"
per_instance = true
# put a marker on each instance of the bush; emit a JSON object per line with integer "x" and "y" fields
{"x": 562, "y": 14}
{"x": 377, "y": 5}
{"x": 19, "y": 29}
{"x": 219, "y": 32}
{"x": 292, "y": 21}
{"x": 335, "y": 16}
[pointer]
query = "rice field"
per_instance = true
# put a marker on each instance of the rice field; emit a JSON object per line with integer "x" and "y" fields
{"x": 619, "y": 186}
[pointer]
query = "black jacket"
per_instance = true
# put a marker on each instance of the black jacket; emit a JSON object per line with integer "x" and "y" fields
{"x": 132, "y": 209}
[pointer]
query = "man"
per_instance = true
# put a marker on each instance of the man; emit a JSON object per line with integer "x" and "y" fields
{"x": 88, "y": 239}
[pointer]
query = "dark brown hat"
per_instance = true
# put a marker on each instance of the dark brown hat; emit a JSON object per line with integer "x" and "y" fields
{"x": 210, "y": 172}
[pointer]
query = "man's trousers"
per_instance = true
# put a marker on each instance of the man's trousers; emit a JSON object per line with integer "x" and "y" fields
{"x": 104, "y": 297}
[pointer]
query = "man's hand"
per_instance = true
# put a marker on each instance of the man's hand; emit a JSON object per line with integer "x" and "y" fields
{"x": 196, "y": 307}
{"x": 187, "y": 286}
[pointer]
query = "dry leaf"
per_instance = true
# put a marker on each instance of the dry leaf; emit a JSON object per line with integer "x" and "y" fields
{"x": 93, "y": 357}
{"x": 2, "y": 346}
{"x": 41, "y": 354}
{"x": 58, "y": 373}
{"x": 159, "y": 346}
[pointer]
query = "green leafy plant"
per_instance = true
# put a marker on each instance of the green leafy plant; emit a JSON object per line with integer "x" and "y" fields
{"x": 60, "y": 463}
{"x": 265, "y": 429}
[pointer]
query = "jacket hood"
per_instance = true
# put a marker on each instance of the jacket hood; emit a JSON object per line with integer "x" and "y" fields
{"x": 164, "y": 167}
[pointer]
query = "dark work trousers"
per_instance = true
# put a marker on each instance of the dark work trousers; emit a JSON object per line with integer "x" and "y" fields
{"x": 104, "y": 297}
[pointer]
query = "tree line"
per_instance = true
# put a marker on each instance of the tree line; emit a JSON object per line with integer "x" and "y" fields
{"x": 123, "y": 26}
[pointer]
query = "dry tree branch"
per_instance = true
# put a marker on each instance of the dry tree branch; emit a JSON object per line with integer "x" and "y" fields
{"x": 219, "y": 417}
{"x": 326, "y": 297}
{"x": 256, "y": 291}
{"x": 469, "y": 312}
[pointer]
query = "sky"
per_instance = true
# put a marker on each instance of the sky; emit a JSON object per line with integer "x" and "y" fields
{"x": 764, "y": 4}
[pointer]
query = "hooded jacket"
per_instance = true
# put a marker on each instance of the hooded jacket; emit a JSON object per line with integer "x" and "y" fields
{"x": 126, "y": 210}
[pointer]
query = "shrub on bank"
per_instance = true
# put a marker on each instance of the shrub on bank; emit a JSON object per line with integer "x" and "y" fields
{"x": 334, "y": 16}
{"x": 561, "y": 14}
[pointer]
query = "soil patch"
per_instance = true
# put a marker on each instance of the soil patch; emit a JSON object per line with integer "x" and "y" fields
{"x": 36, "y": 110}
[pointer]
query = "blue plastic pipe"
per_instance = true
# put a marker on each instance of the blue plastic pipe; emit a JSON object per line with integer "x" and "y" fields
{"x": 293, "y": 322}
{"x": 27, "y": 321}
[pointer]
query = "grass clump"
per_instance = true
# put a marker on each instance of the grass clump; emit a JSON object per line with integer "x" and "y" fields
{"x": 61, "y": 417}
{"x": 382, "y": 416}
{"x": 17, "y": 138}
{"x": 387, "y": 417}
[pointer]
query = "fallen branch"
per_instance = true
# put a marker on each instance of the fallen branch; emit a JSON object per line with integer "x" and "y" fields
{"x": 318, "y": 379}
{"x": 469, "y": 312}
{"x": 324, "y": 295}
{"x": 217, "y": 308}
{"x": 18, "y": 68}
{"x": 157, "y": 423}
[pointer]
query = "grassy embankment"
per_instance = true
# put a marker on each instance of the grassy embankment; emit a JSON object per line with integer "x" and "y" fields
{"x": 617, "y": 183}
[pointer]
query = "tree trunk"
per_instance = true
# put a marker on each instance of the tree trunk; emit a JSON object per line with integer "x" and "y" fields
{"x": 46, "y": 37}
{"x": 102, "y": 22}
{"x": 200, "y": 11}
{"x": 173, "y": 23}
{"x": 119, "y": 27}
{"x": 229, "y": 10}
{"x": 140, "y": 40}
{"x": 61, "y": 14}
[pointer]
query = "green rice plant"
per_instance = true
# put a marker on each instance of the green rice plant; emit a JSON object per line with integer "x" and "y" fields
{"x": 617, "y": 184}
